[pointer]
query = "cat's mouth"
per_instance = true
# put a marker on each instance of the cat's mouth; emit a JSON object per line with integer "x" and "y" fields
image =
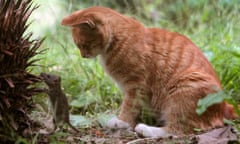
{"x": 88, "y": 56}
{"x": 85, "y": 54}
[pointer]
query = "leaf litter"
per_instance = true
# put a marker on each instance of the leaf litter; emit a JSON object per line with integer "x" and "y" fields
{"x": 94, "y": 133}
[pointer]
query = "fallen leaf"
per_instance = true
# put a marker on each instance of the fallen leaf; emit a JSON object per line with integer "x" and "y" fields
{"x": 98, "y": 133}
{"x": 79, "y": 120}
{"x": 219, "y": 136}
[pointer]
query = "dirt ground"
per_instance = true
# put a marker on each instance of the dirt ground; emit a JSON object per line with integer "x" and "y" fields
{"x": 225, "y": 135}
{"x": 96, "y": 134}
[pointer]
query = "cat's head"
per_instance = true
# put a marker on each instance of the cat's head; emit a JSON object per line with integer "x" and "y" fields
{"x": 89, "y": 31}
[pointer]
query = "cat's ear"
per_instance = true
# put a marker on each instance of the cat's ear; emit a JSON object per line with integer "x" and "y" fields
{"x": 86, "y": 22}
{"x": 74, "y": 21}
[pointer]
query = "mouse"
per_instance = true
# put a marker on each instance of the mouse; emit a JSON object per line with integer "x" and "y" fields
{"x": 58, "y": 100}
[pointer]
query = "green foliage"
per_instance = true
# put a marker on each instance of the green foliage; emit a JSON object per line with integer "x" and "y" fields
{"x": 80, "y": 121}
{"x": 85, "y": 100}
{"x": 212, "y": 25}
{"x": 209, "y": 100}
{"x": 58, "y": 138}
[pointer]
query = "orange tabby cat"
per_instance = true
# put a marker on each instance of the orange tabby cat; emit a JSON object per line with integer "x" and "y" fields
{"x": 153, "y": 67}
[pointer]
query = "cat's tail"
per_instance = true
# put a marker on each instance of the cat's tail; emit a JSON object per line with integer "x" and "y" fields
{"x": 229, "y": 112}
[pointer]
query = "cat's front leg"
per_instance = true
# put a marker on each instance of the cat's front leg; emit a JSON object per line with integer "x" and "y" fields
{"x": 116, "y": 123}
{"x": 129, "y": 112}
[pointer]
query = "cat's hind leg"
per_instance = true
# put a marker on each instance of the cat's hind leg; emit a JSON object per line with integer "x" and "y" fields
{"x": 180, "y": 105}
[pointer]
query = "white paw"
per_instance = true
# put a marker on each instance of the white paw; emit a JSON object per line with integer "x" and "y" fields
{"x": 116, "y": 123}
{"x": 153, "y": 132}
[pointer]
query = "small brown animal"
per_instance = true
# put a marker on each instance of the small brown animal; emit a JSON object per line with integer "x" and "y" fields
{"x": 153, "y": 67}
{"x": 58, "y": 101}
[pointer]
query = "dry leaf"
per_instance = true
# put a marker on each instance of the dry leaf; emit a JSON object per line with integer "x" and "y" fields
{"x": 218, "y": 136}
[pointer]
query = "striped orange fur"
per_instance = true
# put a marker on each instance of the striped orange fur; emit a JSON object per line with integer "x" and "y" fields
{"x": 153, "y": 67}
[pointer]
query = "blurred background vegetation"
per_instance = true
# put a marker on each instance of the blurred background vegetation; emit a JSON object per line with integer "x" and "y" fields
{"x": 214, "y": 26}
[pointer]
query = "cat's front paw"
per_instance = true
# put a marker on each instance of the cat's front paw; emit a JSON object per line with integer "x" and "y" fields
{"x": 116, "y": 123}
{"x": 151, "y": 132}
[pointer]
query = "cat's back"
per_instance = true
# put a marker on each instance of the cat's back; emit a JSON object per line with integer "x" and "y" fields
{"x": 175, "y": 54}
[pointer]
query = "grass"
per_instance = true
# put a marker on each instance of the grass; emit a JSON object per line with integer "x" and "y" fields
{"x": 211, "y": 25}
{"x": 81, "y": 79}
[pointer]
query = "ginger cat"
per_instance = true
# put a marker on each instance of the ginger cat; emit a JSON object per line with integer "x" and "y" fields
{"x": 153, "y": 67}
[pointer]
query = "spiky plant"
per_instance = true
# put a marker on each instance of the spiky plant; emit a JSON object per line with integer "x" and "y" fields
{"x": 16, "y": 82}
